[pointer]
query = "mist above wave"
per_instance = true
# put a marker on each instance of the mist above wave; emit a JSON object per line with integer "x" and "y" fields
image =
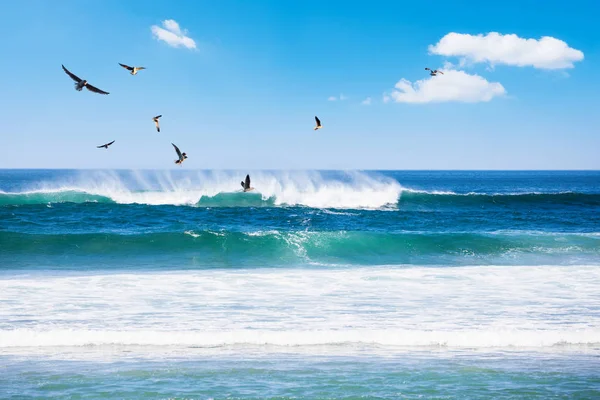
{"x": 216, "y": 188}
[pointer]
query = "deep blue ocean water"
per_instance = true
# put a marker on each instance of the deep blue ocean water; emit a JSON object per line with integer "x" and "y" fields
{"x": 347, "y": 284}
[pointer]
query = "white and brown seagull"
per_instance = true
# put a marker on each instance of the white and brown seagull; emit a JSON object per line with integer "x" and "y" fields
{"x": 433, "y": 72}
{"x": 82, "y": 83}
{"x": 246, "y": 184}
{"x": 132, "y": 70}
{"x": 318, "y": 121}
{"x": 181, "y": 156}
{"x": 155, "y": 119}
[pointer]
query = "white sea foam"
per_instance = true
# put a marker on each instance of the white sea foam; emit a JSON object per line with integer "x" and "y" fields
{"x": 310, "y": 188}
{"x": 405, "y": 338}
{"x": 483, "y": 306}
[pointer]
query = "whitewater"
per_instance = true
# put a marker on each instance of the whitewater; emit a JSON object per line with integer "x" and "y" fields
{"x": 310, "y": 189}
{"x": 520, "y": 306}
{"x": 323, "y": 279}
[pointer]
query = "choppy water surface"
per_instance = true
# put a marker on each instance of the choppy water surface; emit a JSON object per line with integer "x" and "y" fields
{"x": 156, "y": 284}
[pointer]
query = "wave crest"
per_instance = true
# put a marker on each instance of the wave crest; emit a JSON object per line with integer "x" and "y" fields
{"x": 217, "y": 189}
{"x": 326, "y": 190}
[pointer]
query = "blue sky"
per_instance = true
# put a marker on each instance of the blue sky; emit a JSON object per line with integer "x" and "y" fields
{"x": 246, "y": 95}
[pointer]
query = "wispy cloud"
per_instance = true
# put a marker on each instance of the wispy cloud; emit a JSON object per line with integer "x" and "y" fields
{"x": 367, "y": 101}
{"x": 172, "y": 34}
{"x": 495, "y": 48}
{"x": 336, "y": 98}
{"x": 452, "y": 86}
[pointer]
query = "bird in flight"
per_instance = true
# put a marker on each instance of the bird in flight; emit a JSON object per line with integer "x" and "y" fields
{"x": 155, "y": 119}
{"x": 246, "y": 184}
{"x": 81, "y": 83}
{"x": 433, "y": 72}
{"x": 181, "y": 156}
{"x": 318, "y": 123}
{"x": 132, "y": 70}
{"x": 105, "y": 145}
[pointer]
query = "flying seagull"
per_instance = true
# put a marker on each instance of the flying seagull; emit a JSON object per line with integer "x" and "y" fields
{"x": 81, "y": 83}
{"x": 433, "y": 72}
{"x": 132, "y": 70}
{"x": 246, "y": 184}
{"x": 105, "y": 145}
{"x": 155, "y": 119}
{"x": 318, "y": 123}
{"x": 180, "y": 155}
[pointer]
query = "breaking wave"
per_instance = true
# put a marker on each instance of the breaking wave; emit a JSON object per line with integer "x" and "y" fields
{"x": 216, "y": 189}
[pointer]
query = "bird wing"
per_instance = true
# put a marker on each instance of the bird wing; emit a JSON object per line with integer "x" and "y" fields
{"x": 95, "y": 89}
{"x": 440, "y": 72}
{"x": 72, "y": 75}
{"x": 126, "y": 67}
{"x": 140, "y": 68}
{"x": 101, "y": 146}
{"x": 157, "y": 117}
{"x": 177, "y": 150}
{"x": 242, "y": 183}
{"x": 247, "y": 182}
{"x": 318, "y": 121}
{"x": 108, "y": 144}
{"x": 427, "y": 69}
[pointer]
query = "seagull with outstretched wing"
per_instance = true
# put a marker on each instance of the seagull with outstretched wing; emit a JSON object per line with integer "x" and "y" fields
{"x": 82, "y": 83}
{"x": 246, "y": 184}
{"x": 318, "y": 121}
{"x": 181, "y": 156}
{"x": 132, "y": 70}
{"x": 105, "y": 145}
{"x": 434, "y": 72}
{"x": 155, "y": 119}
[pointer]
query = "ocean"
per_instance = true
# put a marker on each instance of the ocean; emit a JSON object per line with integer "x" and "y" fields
{"x": 317, "y": 284}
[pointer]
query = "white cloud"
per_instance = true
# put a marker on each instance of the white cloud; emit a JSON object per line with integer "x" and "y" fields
{"x": 173, "y": 35}
{"x": 366, "y": 101}
{"x": 335, "y": 98}
{"x": 452, "y": 86}
{"x": 495, "y": 48}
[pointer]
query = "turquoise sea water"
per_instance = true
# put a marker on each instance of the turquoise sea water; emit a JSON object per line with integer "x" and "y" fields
{"x": 359, "y": 284}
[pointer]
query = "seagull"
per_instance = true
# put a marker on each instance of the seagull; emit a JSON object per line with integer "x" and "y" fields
{"x": 246, "y": 184}
{"x": 81, "y": 83}
{"x": 155, "y": 119}
{"x": 105, "y": 145}
{"x": 182, "y": 156}
{"x": 133, "y": 70}
{"x": 433, "y": 72}
{"x": 318, "y": 123}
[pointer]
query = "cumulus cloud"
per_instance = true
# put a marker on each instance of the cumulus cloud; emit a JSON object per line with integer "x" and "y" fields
{"x": 173, "y": 35}
{"x": 495, "y": 48}
{"x": 452, "y": 86}
{"x": 366, "y": 101}
{"x": 335, "y": 98}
